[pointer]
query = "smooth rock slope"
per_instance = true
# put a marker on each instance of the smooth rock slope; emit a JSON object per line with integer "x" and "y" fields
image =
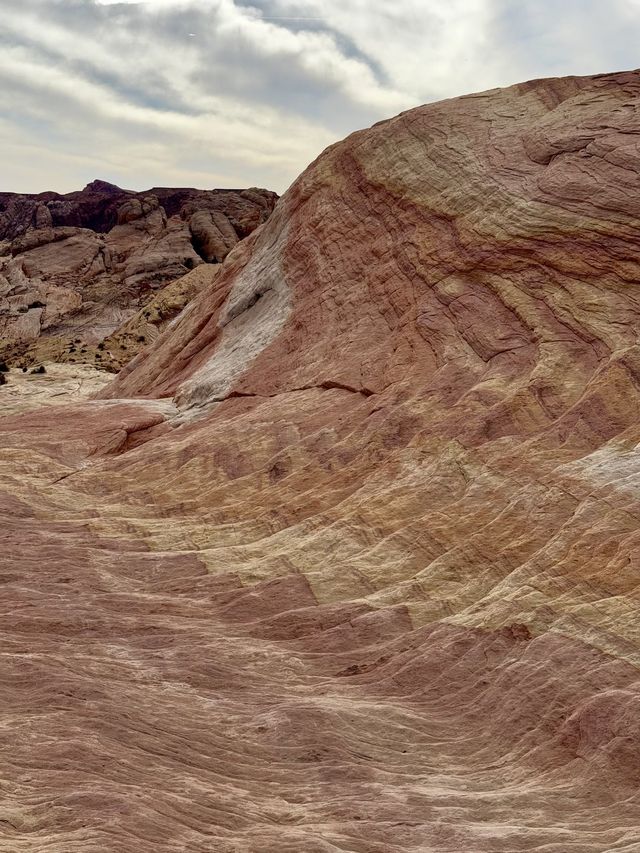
{"x": 348, "y": 560}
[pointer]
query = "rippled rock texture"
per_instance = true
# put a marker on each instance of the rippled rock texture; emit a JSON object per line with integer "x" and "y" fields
{"x": 349, "y": 559}
{"x": 76, "y": 267}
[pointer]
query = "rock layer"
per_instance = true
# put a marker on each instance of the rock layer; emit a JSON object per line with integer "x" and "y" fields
{"x": 346, "y": 560}
{"x": 74, "y": 268}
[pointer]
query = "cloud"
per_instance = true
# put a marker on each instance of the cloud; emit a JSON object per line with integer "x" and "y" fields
{"x": 224, "y": 93}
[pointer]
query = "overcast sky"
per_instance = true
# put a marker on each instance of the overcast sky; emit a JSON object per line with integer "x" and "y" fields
{"x": 217, "y": 93}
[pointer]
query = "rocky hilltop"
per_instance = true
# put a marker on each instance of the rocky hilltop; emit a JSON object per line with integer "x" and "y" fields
{"x": 75, "y": 267}
{"x": 348, "y": 559}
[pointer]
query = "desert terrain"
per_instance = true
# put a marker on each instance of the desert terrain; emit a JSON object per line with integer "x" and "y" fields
{"x": 347, "y": 559}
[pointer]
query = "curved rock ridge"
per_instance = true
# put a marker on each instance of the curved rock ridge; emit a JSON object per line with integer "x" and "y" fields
{"x": 348, "y": 559}
{"x": 75, "y": 267}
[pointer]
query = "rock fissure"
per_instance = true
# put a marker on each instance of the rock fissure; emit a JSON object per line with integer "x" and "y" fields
{"x": 328, "y": 385}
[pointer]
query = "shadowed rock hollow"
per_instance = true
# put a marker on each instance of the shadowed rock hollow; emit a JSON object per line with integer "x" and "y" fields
{"x": 349, "y": 559}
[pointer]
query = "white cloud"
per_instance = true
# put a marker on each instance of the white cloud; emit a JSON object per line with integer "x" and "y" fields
{"x": 217, "y": 92}
{"x": 424, "y": 48}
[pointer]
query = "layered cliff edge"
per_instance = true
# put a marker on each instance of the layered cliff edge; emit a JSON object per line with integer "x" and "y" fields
{"x": 347, "y": 560}
{"x": 74, "y": 268}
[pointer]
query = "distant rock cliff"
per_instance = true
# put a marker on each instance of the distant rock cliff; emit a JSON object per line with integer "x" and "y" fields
{"x": 74, "y": 267}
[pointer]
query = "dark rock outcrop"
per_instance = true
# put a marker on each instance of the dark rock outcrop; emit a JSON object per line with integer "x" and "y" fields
{"x": 82, "y": 264}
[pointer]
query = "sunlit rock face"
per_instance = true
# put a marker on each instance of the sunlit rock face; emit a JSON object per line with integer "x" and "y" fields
{"x": 74, "y": 268}
{"x": 348, "y": 559}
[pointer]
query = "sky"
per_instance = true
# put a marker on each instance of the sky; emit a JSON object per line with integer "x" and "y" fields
{"x": 237, "y": 93}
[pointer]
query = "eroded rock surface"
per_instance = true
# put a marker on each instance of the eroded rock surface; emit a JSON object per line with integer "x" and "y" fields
{"x": 348, "y": 559}
{"x": 24, "y": 391}
{"x": 74, "y": 268}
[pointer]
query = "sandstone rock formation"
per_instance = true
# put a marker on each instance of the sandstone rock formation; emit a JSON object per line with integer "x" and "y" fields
{"x": 74, "y": 268}
{"x": 144, "y": 327}
{"x": 61, "y": 384}
{"x": 347, "y": 560}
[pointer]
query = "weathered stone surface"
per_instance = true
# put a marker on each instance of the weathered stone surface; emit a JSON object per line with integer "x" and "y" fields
{"x": 144, "y": 327}
{"x": 78, "y": 266}
{"x": 366, "y": 578}
{"x": 60, "y": 384}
